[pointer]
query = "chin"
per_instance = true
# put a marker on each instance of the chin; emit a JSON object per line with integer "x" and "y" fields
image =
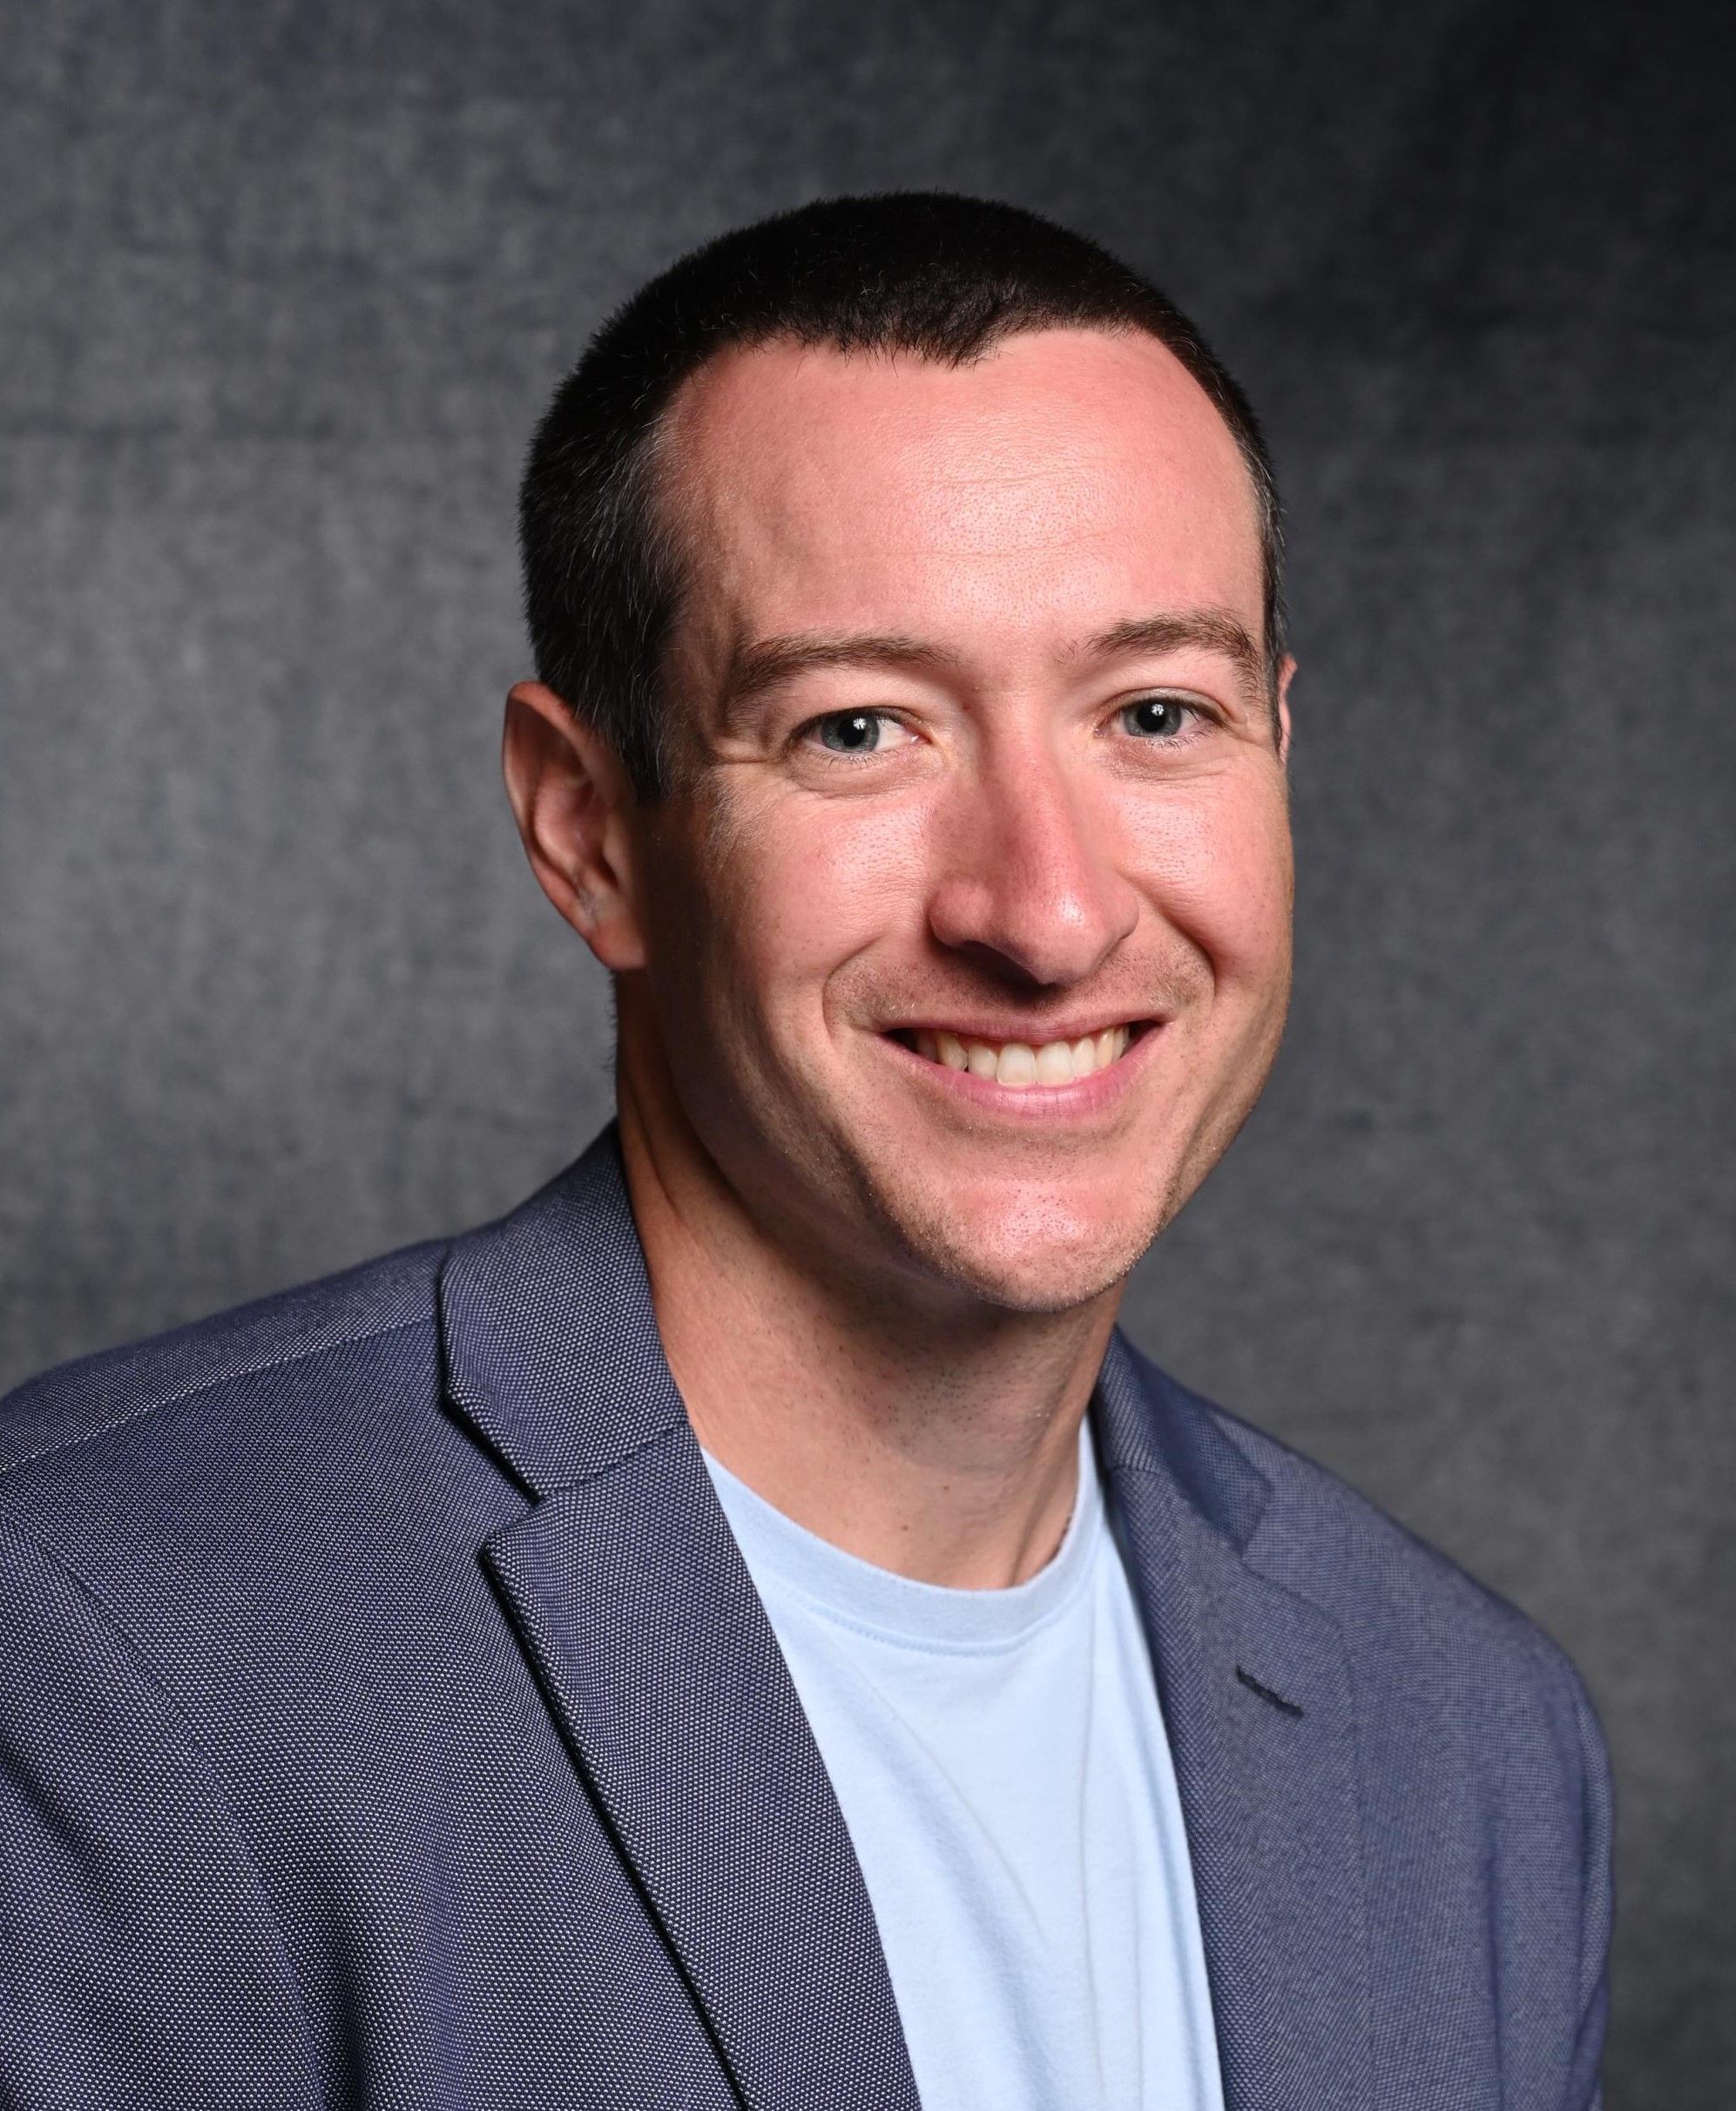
{"x": 1034, "y": 1254}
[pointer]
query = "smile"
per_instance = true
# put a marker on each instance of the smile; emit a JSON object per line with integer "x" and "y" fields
{"x": 1021, "y": 1064}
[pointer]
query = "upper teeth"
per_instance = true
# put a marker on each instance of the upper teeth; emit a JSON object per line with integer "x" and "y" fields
{"x": 1017, "y": 1063}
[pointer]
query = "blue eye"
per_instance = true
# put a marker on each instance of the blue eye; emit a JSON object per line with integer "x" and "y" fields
{"x": 851, "y": 733}
{"x": 1154, "y": 718}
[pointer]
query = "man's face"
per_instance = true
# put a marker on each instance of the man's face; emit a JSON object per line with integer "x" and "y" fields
{"x": 966, "y": 920}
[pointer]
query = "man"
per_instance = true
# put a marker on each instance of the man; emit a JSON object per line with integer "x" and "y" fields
{"x": 744, "y": 1628}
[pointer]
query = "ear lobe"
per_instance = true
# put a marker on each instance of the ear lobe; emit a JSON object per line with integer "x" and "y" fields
{"x": 574, "y": 807}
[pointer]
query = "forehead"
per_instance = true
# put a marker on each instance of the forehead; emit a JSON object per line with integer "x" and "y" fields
{"x": 1067, "y": 479}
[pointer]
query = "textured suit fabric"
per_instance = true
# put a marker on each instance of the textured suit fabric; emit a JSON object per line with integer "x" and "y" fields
{"x": 387, "y": 1718}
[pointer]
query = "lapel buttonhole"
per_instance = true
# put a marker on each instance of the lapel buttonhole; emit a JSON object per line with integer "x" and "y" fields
{"x": 1277, "y": 1700}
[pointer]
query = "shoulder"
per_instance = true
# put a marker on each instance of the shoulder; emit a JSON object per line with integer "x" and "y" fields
{"x": 260, "y": 1352}
{"x": 1414, "y": 1622}
{"x": 1333, "y": 1543}
{"x": 219, "y": 1499}
{"x": 362, "y": 1397}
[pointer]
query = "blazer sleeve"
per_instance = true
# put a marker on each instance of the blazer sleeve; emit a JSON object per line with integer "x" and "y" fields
{"x": 141, "y": 1966}
{"x": 1598, "y": 1905}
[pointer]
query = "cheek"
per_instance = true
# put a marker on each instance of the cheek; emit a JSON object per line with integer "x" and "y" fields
{"x": 816, "y": 886}
{"x": 1215, "y": 860}
{"x": 797, "y": 892}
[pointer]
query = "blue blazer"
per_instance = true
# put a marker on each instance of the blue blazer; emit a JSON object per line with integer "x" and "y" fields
{"x": 387, "y": 1718}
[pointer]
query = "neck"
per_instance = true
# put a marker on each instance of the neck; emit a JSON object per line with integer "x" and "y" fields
{"x": 932, "y": 1434}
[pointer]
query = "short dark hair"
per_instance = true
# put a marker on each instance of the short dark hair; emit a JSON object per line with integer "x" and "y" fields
{"x": 941, "y": 277}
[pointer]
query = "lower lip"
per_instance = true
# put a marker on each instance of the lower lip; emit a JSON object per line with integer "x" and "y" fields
{"x": 1082, "y": 1096}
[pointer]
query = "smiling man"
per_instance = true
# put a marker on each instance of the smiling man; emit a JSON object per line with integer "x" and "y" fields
{"x": 746, "y": 1628}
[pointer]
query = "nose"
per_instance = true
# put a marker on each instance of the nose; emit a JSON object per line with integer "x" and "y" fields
{"x": 1028, "y": 884}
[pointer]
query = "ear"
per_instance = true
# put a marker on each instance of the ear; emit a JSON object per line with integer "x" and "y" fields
{"x": 575, "y": 808}
{"x": 1284, "y": 674}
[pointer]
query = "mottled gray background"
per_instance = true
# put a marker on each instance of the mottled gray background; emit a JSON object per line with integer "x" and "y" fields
{"x": 284, "y": 287}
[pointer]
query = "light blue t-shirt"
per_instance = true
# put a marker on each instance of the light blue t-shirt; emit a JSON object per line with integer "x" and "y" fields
{"x": 1000, "y": 1762}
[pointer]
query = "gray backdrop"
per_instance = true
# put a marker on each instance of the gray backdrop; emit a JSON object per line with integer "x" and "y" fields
{"x": 284, "y": 288}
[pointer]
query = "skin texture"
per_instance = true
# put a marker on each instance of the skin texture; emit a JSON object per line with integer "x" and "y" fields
{"x": 912, "y": 794}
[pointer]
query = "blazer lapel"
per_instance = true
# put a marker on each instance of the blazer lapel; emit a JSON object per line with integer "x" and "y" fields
{"x": 1256, "y": 1698}
{"x": 656, "y": 1657}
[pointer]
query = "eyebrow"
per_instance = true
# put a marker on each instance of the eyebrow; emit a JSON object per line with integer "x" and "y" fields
{"x": 767, "y": 663}
{"x": 1211, "y": 630}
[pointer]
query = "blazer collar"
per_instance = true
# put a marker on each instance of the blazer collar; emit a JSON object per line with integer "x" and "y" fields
{"x": 656, "y": 1657}
{"x": 550, "y": 1344}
